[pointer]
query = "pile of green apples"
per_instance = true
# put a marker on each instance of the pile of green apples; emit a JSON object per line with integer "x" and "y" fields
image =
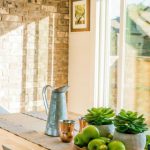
{"x": 91, "y": 139}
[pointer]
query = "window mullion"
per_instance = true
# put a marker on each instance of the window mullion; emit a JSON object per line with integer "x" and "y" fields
{"x": 121, "y": 54}
{"x": 97, "y": 55}
{"x": 107, "y": 54}
{"x": 102, "y": 53}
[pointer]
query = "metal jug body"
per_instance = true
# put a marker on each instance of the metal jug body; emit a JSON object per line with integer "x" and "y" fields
{"x": 57, "y": 110}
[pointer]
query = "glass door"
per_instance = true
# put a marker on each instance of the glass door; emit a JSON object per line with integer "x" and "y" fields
{"x": 137, "y": 58}
{"x": 124, "y": 55}
{"x": 114, "y": 51}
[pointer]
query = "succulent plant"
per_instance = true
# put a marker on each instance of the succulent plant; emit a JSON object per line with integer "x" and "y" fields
{"x": 100, "y": 116}
{"x": 147, "y": 142}
{"x": 129, "y": 122}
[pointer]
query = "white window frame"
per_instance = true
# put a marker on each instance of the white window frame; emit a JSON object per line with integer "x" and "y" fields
{"x": 121, "y": 56}
{"x": 103, "y": 59}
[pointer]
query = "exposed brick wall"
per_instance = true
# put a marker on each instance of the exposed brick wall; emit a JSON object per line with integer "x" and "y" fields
{"x": 33, "y": 50}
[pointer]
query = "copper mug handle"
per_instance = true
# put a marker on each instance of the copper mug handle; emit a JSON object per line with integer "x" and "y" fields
{"x": 82, "y": 123}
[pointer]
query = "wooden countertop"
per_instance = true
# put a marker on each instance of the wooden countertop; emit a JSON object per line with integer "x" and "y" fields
{"x": 14, "y": 142}
{"x": 16, "y": 130}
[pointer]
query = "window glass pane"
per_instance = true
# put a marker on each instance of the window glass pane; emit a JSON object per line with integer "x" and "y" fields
{"x": 137, "y": 61}
{"x": 114, "y": 46}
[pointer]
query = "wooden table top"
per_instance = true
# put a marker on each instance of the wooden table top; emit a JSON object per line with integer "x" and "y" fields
{"x": 24, "y": 123}
{"x": 14, "y": 142}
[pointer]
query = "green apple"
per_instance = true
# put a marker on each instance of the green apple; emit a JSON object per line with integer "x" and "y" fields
{"x": 95, "y": 144}
{"x": 106, "y": 140}
{"x": 90, "y": 132}
{"x": 78, "y": 140}
{"x": 110, "y": 136}
{"x": 116, "y": 145}
{"x": 103, "y": 147}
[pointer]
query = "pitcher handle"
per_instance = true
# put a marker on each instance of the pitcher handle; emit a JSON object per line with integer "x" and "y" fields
{"x": 45, "y": 97}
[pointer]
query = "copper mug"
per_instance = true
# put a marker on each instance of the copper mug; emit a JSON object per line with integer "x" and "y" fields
{"x": 66, "y": 130}
{"x": 82, "y": 123}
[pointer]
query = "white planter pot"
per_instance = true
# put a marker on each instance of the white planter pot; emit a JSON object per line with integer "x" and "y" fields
{"x": 105, "y": 130}
{"x": 131, "y": 141}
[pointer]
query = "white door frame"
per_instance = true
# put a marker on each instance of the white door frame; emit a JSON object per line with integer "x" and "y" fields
{"x": 102, "y": 81}
{"x": 121, "y": 54}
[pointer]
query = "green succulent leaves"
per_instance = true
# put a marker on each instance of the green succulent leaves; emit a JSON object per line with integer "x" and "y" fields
{"x": 100, "y": 116}
{"x": 125, "y": 122}
{"x": 129, "y": 122}
{"x": 147, "y": 141}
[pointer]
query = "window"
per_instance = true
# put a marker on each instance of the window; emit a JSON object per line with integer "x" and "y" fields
{"x": 123, "y": 51}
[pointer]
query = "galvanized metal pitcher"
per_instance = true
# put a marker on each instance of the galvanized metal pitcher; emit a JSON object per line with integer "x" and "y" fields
{"x": 57, "y": 110}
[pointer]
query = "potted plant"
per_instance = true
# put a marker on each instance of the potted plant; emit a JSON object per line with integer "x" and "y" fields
{"x": 130, "y": 128}
{"x": 102, "y": 118}
{"x": 147, "y": 142}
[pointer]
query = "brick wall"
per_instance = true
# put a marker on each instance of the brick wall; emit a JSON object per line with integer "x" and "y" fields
{"x": 33, "y": 51}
